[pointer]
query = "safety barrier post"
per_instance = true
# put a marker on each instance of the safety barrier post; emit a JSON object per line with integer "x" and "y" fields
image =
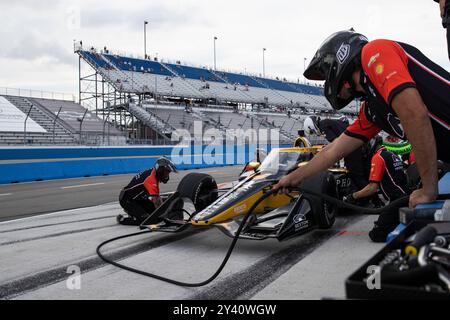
{"x": 54, "y": 124}
{"x": 25, "y": 126}
{"x": 81, "y": 124}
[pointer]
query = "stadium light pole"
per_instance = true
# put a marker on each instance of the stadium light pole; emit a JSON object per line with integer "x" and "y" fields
{"x": 145, "y": 39}
{"x": 215, "y": 57}
{"x": 264, "y": 62}
{"x": 304, "y": 69}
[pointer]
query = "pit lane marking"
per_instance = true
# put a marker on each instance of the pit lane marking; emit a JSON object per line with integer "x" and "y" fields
{"x": 84, "y": 185}
{"x": 5, "y": 194}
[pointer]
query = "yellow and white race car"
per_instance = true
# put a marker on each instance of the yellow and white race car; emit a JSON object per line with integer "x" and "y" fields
{"x": 199, "y": 202}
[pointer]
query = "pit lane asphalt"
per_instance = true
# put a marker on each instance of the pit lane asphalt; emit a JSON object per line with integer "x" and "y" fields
{"x": 29, "y": 199}
{"x": 37, "y": 252}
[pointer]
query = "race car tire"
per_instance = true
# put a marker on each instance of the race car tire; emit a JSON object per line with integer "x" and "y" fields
{"x": 201, "y": 188}
{"x": 324, "y": 212}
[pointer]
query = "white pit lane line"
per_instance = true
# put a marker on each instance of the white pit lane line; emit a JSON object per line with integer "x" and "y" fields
{"x": 84, "y": 185}
{"x": 5, "y": 194}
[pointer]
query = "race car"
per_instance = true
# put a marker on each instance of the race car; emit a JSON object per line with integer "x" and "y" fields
{"x": 199, "y": 202}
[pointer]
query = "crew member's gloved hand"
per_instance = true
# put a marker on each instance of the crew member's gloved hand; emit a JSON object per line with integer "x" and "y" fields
{"x": 349, "y": 199}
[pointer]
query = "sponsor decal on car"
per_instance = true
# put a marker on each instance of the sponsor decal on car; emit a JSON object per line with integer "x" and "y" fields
{"x": 300, "y": 222}
{"x": 228, "y": 198}
{"x": 240, "y": 209}
{"x": 299, "y": 218}
{"x": 343, "y": 182}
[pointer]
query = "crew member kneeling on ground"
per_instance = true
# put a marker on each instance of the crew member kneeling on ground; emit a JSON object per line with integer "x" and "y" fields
{"x": 388, "y": 175}
{"x": 140, "y": 197}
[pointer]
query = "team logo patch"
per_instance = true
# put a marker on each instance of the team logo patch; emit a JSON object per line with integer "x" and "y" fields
{"x": 373, "y": 59}
{"x": 390, "y": 75}
{"x": 343, "y": 53}
{"x": 396, "y": 125}
{"x": 363, "y": 38}
{"x": 379, "y": 69}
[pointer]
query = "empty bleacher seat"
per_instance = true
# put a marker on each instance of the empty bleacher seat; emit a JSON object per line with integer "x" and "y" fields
{"x": 174, "y": 79}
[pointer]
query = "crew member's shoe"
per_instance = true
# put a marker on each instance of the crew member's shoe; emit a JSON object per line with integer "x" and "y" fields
{"x": 380, "y": 233}
{"x": 127, "y": 220}
{"x": 386, "y": 223}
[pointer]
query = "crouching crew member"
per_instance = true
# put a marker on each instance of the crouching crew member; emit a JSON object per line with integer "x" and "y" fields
{"x": 387, "y": 174}
{"x": 140, "y": 197}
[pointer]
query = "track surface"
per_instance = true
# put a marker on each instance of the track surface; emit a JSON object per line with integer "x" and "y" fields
{"x": 37, "y": 251}
{"x": 27, "y": 199}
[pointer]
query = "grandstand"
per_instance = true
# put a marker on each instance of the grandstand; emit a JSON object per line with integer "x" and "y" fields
{"x": 125, "y": 100}
{"x": 39, "y": 121}
{"x": 159, "y": 97}
{"x": 141, "y": 76}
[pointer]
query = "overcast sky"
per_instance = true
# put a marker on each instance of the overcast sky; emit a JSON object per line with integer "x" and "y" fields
{"x": 36, "y": 50}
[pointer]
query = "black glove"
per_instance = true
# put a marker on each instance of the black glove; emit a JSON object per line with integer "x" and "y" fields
{"x": 349, "y": 199}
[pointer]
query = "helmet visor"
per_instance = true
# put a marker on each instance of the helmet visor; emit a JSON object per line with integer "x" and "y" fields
{"x": 337, "y": 92}
{"x": 171, "y": 167}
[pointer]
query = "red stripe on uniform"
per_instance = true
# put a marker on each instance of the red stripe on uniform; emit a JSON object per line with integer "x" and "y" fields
{"x": 440, "y": 121}
{"x": 437, "y": 76}
{"x": 434, "y": 74}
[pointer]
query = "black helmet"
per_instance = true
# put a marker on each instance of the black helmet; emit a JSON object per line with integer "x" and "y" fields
{"x": 162, "y": 167}
{"x": 311, "y": 125}
{"x": 374, "y": 143}
{"x": 334, "y": 62}
{"x": 344, "y": 120}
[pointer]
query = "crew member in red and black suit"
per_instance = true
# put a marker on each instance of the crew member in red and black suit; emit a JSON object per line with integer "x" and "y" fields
{"x": 141, "y": 196}
{"x": 388, "y": 176}
{"x": 406, "y": 95}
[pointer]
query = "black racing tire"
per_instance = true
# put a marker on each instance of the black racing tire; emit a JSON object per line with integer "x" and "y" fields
{"x": 201, "y": 188}
{"x": 324, "y": 212}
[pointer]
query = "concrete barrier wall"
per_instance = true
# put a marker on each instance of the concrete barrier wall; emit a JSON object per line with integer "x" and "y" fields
{"x": 23, "y": 153}
{"x": 113, "y": 160}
